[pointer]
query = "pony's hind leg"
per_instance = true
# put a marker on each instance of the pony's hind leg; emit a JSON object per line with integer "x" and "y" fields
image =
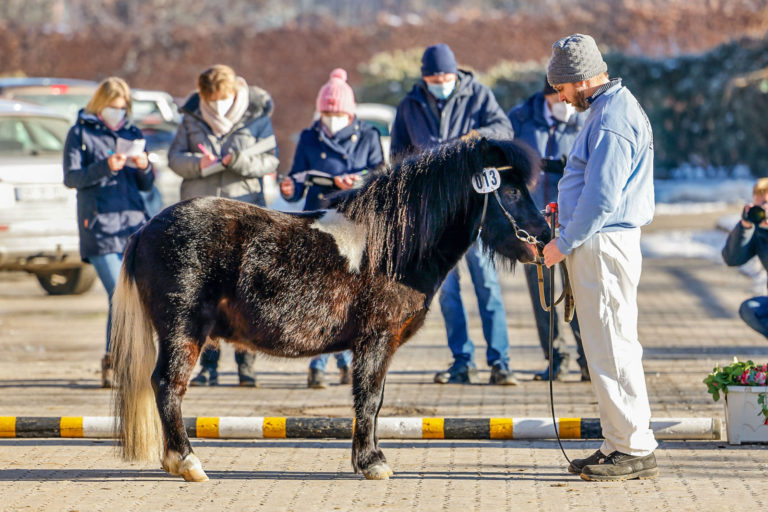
{"x": 370, "y": 368}
{"x": 175, "y": 362}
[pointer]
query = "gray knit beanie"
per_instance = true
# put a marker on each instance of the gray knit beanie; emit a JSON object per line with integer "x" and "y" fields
{"x": 575, "y": 58}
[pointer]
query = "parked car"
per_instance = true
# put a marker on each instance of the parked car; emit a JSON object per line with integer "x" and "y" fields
{"x": 38, "y": 214}
{"x": 63, "y": 95}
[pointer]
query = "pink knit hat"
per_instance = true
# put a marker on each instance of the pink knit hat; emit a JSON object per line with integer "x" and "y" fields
{"x": 336, "y": 95}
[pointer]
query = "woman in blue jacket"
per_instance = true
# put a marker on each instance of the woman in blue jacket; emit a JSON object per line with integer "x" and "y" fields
{"x": 335, "y": 153}
{"x": 109, "y": 207}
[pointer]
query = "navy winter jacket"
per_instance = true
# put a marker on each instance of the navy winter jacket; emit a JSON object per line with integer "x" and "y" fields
{"x": 420, "y": 125}
{"x": 355, "y": 149}
{"x": 109, "y": 207}
{"x": 745, "y": 243}
{"x": 531, "y": 127}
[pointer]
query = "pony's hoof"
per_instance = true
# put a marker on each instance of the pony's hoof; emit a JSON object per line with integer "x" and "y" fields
{"x": 195, "y": 475}
{"x": 189, "y": 467}
{"x": 378, "y": 471}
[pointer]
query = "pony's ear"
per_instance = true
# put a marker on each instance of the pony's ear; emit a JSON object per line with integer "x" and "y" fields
{"x": 484, "y": 146}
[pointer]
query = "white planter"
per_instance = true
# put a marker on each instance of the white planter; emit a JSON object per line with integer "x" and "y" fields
{"x": 743, "y": 417}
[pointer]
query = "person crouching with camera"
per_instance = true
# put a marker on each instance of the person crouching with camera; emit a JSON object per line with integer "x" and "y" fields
{"x": 749, "y": 238}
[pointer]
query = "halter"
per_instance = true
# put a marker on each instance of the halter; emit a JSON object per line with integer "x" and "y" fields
{"x": 520, "y": 233}
{"x": 526, "y": 237}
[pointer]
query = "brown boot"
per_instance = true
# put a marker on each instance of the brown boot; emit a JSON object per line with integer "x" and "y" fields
{"x": 107, "y": 372}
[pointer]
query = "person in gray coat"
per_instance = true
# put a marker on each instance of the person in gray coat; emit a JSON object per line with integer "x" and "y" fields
{"x": 224, "y": 147}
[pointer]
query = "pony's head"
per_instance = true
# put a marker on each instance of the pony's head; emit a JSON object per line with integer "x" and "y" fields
{"x": 510, "y": 213}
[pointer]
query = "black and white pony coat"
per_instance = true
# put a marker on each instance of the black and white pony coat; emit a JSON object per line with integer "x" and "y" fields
{"x": 360, "y": 277}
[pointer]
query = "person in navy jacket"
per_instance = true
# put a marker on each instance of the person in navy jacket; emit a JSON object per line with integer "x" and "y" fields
{"x": 550, "y": 127}
{"x": 448, "y": 103}
{"x": 333, "y": 154}
{"x": 109, "y": 207}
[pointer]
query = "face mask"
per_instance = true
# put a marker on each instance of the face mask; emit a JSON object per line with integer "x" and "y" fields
{"x": 113, "y": 116}
{"x": 335, "y": 123}
{"x": 562, "y": 111}
{"x": 441, "y": 91}
{"x": 223, "y": 106}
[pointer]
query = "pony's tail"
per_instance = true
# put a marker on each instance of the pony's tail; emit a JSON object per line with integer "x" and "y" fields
{"x": 137, "y": 423}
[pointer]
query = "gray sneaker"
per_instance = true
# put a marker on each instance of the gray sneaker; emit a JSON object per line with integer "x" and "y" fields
{"x": 620, "y": 466}
{"x": 578, "y": 464}
{"x": 462, "y": 374}
{"x": 502, "y": 376}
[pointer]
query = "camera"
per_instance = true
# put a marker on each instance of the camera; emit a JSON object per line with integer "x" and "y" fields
{"x": 755, "y": 215}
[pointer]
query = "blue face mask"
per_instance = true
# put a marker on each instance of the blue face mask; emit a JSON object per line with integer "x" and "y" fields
{"x": 441, "y": 91}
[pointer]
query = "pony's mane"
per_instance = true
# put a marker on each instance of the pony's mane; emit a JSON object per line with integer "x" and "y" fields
{"x": 407, "y": 209}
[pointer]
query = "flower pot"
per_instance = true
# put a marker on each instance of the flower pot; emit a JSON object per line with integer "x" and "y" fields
{"x": 744, "y": 419}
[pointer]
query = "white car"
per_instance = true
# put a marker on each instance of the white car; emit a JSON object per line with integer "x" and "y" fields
{"x": 38, "y": 214}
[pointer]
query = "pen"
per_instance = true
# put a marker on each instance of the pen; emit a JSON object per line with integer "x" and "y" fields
{"x": 206, "y": 152}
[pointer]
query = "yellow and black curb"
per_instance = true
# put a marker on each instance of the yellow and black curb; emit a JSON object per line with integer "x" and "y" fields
{"x": 232, "y": 427}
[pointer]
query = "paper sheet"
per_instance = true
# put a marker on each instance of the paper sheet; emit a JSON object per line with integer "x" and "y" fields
{"x": 130, "y": 148}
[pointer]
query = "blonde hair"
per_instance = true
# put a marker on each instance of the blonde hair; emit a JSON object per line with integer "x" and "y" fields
{"x": 219, "y": 78}
{"x": 109, "y": 89}
{"x": 761, "y": 187}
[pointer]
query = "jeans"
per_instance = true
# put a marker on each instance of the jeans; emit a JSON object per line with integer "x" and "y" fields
{"x": 542, "y": 318}
{"x": 343, "y": 359}
{"x": 210, "y": 358}
{"x": 492, "y": 314}
{"x": 153, "y": 201}
{"x": 108, "y": 269}
{"x": 754, "y": 312}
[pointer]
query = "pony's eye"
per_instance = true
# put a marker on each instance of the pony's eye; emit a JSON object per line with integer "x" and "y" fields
{"x": 514, "y": 194}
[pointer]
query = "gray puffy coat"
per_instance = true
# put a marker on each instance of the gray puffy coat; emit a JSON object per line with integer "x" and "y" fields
{"x": 242, "y": 178}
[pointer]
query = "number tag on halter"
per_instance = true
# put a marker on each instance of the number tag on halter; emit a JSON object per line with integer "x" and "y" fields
{"x": 486, "y": 181}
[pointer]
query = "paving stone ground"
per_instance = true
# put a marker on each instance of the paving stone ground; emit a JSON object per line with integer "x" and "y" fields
{"x": 51, "y": 347}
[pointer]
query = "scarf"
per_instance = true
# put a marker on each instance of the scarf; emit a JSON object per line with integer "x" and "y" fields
{"x": 221, "y": 125}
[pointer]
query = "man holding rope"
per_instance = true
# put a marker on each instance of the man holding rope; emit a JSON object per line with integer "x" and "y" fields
{"x": 605, "y": 195}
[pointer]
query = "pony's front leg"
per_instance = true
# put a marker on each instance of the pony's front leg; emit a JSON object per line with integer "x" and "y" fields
{"x": 370, "y": 368}
{"x": 175, "y": 363}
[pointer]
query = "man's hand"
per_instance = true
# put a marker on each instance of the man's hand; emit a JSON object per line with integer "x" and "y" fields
{"x": 287, "y": 187}
{"x": 552, "y": 254}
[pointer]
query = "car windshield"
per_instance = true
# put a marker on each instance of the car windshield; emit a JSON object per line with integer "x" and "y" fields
{"x": 25, "y": 135}
{"x": 65, "y": 104}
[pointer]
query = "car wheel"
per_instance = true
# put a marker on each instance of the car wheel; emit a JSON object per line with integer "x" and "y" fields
{"x": 71, "y": 281}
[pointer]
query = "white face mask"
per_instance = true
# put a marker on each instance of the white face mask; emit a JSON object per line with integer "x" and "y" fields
{"x": 562, "y": 111}
{"x": 443, "y": 90}
{"x": 223, "y": 106}
{"x": 113, "y": 116}
{"x": 335, "y": 123}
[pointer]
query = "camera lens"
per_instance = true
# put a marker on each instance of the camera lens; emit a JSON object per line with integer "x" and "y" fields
{"x": 756, "y": 215}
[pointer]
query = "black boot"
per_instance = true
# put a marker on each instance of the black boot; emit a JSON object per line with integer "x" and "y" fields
{"x": 245, "y": 372}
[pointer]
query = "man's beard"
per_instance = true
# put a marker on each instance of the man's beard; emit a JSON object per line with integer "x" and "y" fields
{"x": 580, "y": 102}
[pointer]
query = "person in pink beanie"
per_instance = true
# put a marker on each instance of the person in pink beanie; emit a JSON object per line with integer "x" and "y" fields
{"x": 333, "y": 154}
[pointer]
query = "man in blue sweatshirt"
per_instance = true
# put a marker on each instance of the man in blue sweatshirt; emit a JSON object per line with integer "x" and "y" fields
{"x": 605, "y": 195}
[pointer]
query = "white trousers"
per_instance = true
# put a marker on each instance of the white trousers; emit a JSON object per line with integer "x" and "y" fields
{"x": 604, "y": 274}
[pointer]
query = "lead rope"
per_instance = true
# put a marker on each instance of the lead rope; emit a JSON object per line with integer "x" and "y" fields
{"x": 567, "y": 294}
{"x": 566, "y": 286}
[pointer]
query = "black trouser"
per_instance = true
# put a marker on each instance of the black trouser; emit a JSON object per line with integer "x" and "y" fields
{"x": 542, "y": 318}
{"x": 210, "y": 358}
